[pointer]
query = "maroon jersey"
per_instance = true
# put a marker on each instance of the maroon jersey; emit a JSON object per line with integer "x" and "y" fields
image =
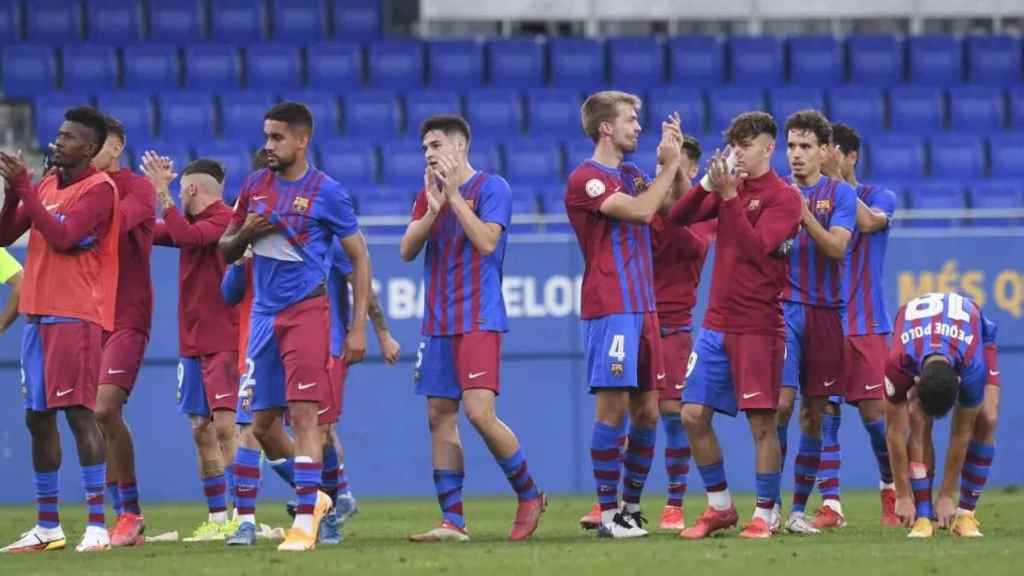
{"x": 749, "y": 275}
{"x": 206, "y": 324}
{"x": 134, "y": 308}
{"x": 679, "y": 253}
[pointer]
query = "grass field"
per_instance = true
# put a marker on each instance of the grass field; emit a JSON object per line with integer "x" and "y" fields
{"x": 375, "y": 544}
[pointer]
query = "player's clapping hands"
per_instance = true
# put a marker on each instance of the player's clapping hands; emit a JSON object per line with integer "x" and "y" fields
{"x": 12, "y": 165}
{"x": 722, "y": 175}
{"x": 159, "y": 169}
{"x": 446, "y": 172}
{"x": 670, "y": 146}
{"x": 435, "y": 196}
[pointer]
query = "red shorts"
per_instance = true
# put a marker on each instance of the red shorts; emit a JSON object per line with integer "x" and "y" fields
{"x": 675, "y": 354}
{"x": 864, "y": 368}
{"x": 756, "y": 361}
{"x": 814, "y": 350}
{"x": 334, "y": 401}
{"x": 123, "y": 351}
{"x": 60, "y": 363}
{"x": 448, "y": 365}
{"x": 304, "y": 347}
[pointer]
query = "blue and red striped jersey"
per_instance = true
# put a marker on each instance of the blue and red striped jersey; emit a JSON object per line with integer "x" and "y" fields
{"x": 618, "y": 274}
{"x": 311, "y": 214}
{"x": 463, "y": 287}
{"x": 863, "y": 272}
{"x": 815, "y": 279}
{"x": 337, "y": 290}
{"x": 947, "y": 324}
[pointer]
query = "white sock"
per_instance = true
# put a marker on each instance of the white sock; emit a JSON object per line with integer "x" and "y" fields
{"x": 218, "y": 517}
{"x": 720, "y": 500}
{"x": 834, "y": 505}
{"x": 631, "y": 508}
{"x": 795, "y": 514}
{"x": 886, "y": 485}
{"x": 608, "y": 515}
{"x": 964, "y": 512}
{"x": 243, "y": 518}
{"x": 764, "y": 514}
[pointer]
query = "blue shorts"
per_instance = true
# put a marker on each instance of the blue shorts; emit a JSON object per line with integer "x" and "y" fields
{"x": 247, "y": 381}
{"x": 448, "y": 365}
{"x": 815, "y": 345}
{"x": 623, "y": 351}
{"x": 731, "y": 372}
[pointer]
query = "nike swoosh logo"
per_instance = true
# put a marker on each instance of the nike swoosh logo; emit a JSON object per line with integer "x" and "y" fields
{"x": 872, "y": 387}
{"x": 829, "y": 383}
{"x": 258, "y": 198}
{"x": 221, "y": 396}
{"x": 112, "y": 371}
{"x": 51, "y": 207}
{"x": 680, "y": 386}
{"x": 475, "y": 375}
{"x": 306, "y": 386}
{"x": 61, "y": 393}
{"x": 993, "y": 373}
{"x": 661, "y": 376}
{"x": 749, "y": 396}
{"x": 322, "y": 412}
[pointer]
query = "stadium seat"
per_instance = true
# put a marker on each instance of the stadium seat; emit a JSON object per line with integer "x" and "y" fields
{"x": 486, "y": 155}
{"x": 875, "y": 60}
{"x": 236, "y": 159}
{"x": 177, "y": 21}
{"x": 28, "y": 71}
{"x": 1016, "y": 98}
{"x": 531, "y": 163}
{"x": 186, "y": 116}
{"x": 350, "y": 162}
{"x": 89, "y": 68}
{"x": 337, "y": 66}
{"x": 395, "y": 64}
{"x": 237, "y": 21}
{"x": 53, "y": 21}
{"x": 135, "y": 111}
{"x": 896, "y": 158}
{"x": 385, "y": 201}
{"x": 860, "y": 107}
{"x": 994, "y": 60}
{"x": 241, "y": 116}
{"x": 815, "y": 61}
{"x": 688, "y": 102}
{"x": 212, "y": 67}
{"x": 916, "y": 109}
{"x": 577, "y": 63}
{"x": 421, "y": 105}
{"x": 372, "y": 115}
{"x": 937, "y": 195}
{"x": 697, "y": 61}
{"x": 298, "y": 21}
{"x": 151, "y": 67}
{"x": 273, "y": 66}
{"x": 935, "y": 60}
{"x": 957, "y": 157}
{"x": 525, "y": 203}
{"x": 646, "y": 154}
{"x": 10, "y": 22}
{"x": 727, "y": 103}
{"x": 785, "y": 101}
{"x": 113, "y": 22}
{"x": 48, "y": 113}
{"x": 402, "y": 163}
{"x": 515, "y": 63}
{"x": 576, "y": 152}
{"x": 976, "y": 109}
{"x": 553, "y": 113}
{"x": 357, "y": 19}
{"x": 636, "y": 63}
{"x": 323, "y": 106}
{"x": 756, "y": 61}
{"x": 780, "y": 161}
{"x": 455, "y": 64}
{"x": 1007, "y": 156}
{"x": 495, "y": 113}
{"x": 997, "y": 194}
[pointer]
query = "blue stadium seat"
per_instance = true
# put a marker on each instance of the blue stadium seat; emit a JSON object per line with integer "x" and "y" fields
{"x": 495, "y": 113}
{"x": 486, "y": 155}
{"x": 336, "y": 66}
{"x": 997, "y": 194}
{"x": 916, "y": 109}
{"x": 48, "y": 113}
{"x": 28, "y": 71}
{"x": 53, "y": 21}
{"x": 553, "y": 113}
{"x": 114, "y": 21}
{"x": 957, "y": 157}
{"x": 552, "y": 199}
{"x": 421, "y": 105}
{"x": 235, "y": 157}
{"x": 976, "y": 109}
{"x": 531, "y": 163}
{"x": 151, "y": 67}
{"x": 10, "y": 22}
{"x": 636, "y": 63}
{"x": 395, "y": 64}
{"x": 1016, "y": 97}
{"x": 785, "y": 101}
{"x": 186, "y": 116}
{"x": 935, "y": 60}
{"x": 273, "y": 66}
{"x": 351, "y": 162}
{"x": 402, "y": 163}
{"x": 689, "y": 102}
{"x": 576, "y": 151}
{"x": 896, "y": 158}
{"x": 212, "y": 67}
{"x": 385, "y": 201}
{"x": 815, "y": 61}
{"x": 89, "y": 68}
{"x": 1007, "y": 156}
{"x": 323, "y": 106}
{"x": 937, "y": 195}
{"x": 756, "y": 61}
{"x": 298, "y": 21}
{"x": 357, "y": 19}
{"x": 177, "y": 21}
{"x": 237, "y": 21}
{"x": 525, "y": 203}
{"x": 135, "y": 110}
{"x": 373, "y": 115}
{"x": 875, "y": 60}
{"x": 696, "y": 60}
{"x": 515, "y": 63}
{"x": 859, "y": 106}
{"x": 994, "y": 60}
{"x": 780, "y": 161}
{"x": 455, "y": 64}
{"x": 577, "y": 63}
{"x": 241, "y": 115}
{"x": 727, "y": 103}
{"x": 709, "y": 141}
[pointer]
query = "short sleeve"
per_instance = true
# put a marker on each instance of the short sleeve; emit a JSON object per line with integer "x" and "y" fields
{"x": 242, "y": 204}
{"x": 419, "y": 207}
{"x": 338, "y": 213}
{"x": 899, "y": 378}
{"x": 885, "y": 200}
{"x": 587, "y": 190}
{"x": 845, "y": 213}
{"x": 9, "y": 266}
{"x": 989, "y": 329}
{"x": 496, "y": 202}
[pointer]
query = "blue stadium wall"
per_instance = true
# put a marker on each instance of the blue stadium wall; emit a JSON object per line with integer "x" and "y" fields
{"x": 545, "y": 399}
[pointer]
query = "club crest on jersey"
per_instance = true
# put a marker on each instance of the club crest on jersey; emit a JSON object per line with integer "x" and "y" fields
{"x": 822, "y": 206}
{"x": 754, "y": 204}
{"x": 300, "y": 204}
{"x": 595, "y": 188}
{"x": 617, "y": 369}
